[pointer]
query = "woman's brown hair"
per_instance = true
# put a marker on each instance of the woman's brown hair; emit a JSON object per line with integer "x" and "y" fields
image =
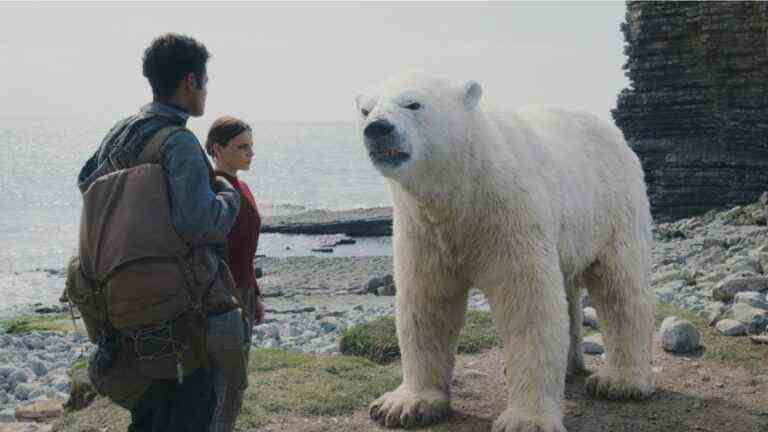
{"x": 223, "y": 130}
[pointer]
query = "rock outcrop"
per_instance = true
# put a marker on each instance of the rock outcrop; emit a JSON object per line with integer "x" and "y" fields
{"x": 696, "y": 110}
{"x": 373, "y": 222}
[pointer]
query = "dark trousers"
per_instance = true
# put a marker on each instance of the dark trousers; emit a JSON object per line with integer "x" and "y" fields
{"x": 169, "y": 407}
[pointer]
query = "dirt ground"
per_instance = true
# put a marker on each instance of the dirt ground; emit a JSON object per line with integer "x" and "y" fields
{"x": 691, "y": 395}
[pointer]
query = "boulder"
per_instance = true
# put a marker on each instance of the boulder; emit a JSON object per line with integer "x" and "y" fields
{"x": 593, "y": 345}
{"x": 713, "y": 312}
{"x": 751, "y": 298}
{"x": 755, "y": 319}
{"x": 679, "y": 335}
{"x": 383, "y": 286}
{"x": 589, "y": 315}
{"x": 729, "y": 327}
{"x": 727, "y": 289}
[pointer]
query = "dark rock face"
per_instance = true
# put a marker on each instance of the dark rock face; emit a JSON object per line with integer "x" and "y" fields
{"x": 374, "y": 222}
{"x": 696, "y": 110}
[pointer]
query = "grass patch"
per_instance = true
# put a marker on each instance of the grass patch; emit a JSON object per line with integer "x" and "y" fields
{"x": 280, "y": 383}
{"x": 30, "y": 323}
{"x": 305, "y": 384}
{"x": 377, "y": 340}
{"x": 729, "y": 351}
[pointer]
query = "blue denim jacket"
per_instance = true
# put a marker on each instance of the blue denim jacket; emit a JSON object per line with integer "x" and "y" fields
{"x": 199, "y": 215}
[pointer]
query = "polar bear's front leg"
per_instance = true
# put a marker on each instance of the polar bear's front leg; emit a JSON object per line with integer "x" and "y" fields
{"x": 430, "y": 313}
{"x": 530, "y": 310}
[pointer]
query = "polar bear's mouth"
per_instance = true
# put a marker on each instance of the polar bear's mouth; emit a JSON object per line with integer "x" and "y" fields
{"x": 392, "y": 156}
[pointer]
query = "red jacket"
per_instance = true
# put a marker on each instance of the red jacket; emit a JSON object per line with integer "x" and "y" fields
{"x": 244, "y": 237}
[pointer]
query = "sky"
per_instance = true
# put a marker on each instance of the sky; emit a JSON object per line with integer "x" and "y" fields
{"x": 305, "y": 62}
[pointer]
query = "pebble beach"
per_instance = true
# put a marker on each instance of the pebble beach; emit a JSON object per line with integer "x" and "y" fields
{"x": 312, "y": 299}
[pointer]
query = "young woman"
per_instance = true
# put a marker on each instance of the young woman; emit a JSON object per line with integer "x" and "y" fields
{"x": 230, "y": 143}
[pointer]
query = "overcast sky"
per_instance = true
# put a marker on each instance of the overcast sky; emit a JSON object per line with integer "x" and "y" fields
{"x": 305, "y": 62}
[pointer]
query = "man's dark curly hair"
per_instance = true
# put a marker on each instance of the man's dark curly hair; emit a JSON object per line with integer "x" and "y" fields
{"x": 169, "y": 59}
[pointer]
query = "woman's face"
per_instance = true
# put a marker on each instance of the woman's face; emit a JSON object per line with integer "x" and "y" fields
{"x": 238, "y": 153}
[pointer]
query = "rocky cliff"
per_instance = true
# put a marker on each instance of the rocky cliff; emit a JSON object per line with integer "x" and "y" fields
{"x": 696, "y": 109}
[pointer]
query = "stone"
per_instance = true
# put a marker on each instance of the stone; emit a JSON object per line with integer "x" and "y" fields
{"x": 759, "y": 339}
{"x": 713, "y": 312}
{"x": 4, "y": 397}
{"x": 309, "y": 335}
{"x": 61, "y": 384}
{"x": 727, "y": 289}
{"x": 593, "y": 345}
{"x": 668, "y": 276}
{"x": 755, "y": 319}
{"x": 6, "y": 371}
{"x": 22, "y": 391}
{"x": 751, "y": 298}
{"x": 667, "y": 292}
{"x": 679, "y": 335}
{"x": 589, "y": 315}
{"x": 729, "y": 327}
{"x": 26, "y": 426}
{"x": 328, "y": 349}
{"x": 41, "y": 409}
{"x": 271, "y": 343}
{"x": 16, "y": 377}
{"x": 7, "y": 415}
{"x": 5, "y": 341}
{"x": 386, "y": 290}
{"x": 743, "y": 264}
{"x": 38, "y": 367}
{"x": 328, "y": 325}
{"x": 384, "y": 285}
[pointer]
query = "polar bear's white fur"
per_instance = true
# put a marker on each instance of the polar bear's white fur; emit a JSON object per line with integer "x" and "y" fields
{"x": 529, "y": 207}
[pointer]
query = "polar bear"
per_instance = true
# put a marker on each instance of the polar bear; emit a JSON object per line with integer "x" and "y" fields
{"x": 528, "y": 207}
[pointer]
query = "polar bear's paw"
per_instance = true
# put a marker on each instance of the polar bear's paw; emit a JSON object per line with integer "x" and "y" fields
{"x": 512, "y": 420}
{"x": 406, "y": 408}
{"x": 612, "y": 386}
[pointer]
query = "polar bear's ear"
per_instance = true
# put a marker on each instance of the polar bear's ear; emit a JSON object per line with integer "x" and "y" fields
{"x": 472, "y": 94}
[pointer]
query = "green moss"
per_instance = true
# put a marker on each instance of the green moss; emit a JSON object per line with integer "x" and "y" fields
{"x": 29, "y": 323}
{"x": 377, "y": 340}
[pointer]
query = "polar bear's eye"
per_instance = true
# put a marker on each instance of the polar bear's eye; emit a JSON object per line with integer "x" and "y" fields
{"x": 365, "y": 112}
{"x": 414, "y": 106}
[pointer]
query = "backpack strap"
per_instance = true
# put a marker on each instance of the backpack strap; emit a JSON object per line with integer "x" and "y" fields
{"x": 153, "y": 150}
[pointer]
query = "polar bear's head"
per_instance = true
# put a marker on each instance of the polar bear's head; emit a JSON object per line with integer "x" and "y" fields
{"x": 414, "y": 125}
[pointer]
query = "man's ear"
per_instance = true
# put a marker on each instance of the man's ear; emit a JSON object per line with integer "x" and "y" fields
{"x": 190, "y": 82}
{"x": 472, "y": 92}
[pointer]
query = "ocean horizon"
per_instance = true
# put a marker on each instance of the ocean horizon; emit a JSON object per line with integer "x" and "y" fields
{"x": 297, "y": 167}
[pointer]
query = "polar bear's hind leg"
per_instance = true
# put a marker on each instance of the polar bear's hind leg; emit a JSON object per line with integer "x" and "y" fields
{"x": 618, "y": 287}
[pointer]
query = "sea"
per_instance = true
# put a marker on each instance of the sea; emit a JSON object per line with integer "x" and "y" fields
{"x": 297, "y": 167}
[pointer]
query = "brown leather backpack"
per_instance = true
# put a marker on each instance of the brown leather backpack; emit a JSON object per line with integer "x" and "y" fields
{"x": 135, "y": 275}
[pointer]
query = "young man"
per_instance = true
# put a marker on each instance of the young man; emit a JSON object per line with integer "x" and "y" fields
{"x": 202, "y": 211}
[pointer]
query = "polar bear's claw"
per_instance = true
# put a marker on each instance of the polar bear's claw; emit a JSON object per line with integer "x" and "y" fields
{"x": 612, "y": 387}
{"x": 512, "y": 421}
{"x": 407, "y": 409}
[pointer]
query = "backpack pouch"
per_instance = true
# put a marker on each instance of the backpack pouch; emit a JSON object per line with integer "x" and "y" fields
{"x": 87, "y": 299}
{"x": 146, "y": 292}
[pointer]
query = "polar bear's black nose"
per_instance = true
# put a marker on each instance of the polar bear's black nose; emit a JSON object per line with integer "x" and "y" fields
{"x": 378, "y": 129}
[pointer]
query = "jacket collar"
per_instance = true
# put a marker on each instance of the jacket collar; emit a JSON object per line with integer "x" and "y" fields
{"x": 166, "y": 109}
